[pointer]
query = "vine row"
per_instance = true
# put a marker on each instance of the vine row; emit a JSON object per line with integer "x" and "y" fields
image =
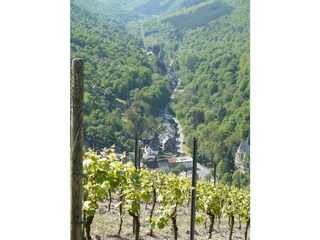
{"x": 109, "y": 177}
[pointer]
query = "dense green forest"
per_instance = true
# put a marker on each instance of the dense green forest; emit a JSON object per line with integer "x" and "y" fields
{"x": 200, "y": 16}
{"x": 124, "y": 89}
{"x": 107, "y": 11}
{"x": 212, "y": 61}
{"x": 124, "y": 10}
{"x": 208, "y": 43}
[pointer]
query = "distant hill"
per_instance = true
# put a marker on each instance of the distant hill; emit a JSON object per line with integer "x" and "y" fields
{"x": 199, "y": 16}
{"x": 152, "y": 7}
{"x": 106, "y": 10}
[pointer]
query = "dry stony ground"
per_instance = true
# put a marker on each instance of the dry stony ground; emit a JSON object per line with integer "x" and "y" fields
{"x": 106, "y": 224}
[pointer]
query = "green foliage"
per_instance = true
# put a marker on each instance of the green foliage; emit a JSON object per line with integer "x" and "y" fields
{"x": 222, "y": 168}
{"x": 238, "y": 178}
{"x": 107, "y": 173}
{"x": 107, "y": 11}
{"x": 126, "y": 89}
{"x": 190, "y": 3}
{"x": 197, "y": 17}
{"x": 123, "y": 88}
{"x": 174, "y": 193}
{"x": 210, "y": 198}
{"x": 214, "y": 69}
{"x": 191, "y": 62}
{"x": 150, "y": 7}
{"x": 179, "y": 169}
{"x": 226, "y": 178}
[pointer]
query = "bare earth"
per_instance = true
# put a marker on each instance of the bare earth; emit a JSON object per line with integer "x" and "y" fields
{"x": 106, "y": 224}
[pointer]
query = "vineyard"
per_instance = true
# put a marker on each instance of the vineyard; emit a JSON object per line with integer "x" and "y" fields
{"x": 154, "y": 199}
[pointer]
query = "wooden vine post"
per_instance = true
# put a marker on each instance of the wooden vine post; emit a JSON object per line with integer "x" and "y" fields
{"x": 139, "y": 157}
{"x": 136, "y": 154}
{"x": 136, "y": 166}
{"x": 76, "y": 111}
{"x": 193, "y": 192}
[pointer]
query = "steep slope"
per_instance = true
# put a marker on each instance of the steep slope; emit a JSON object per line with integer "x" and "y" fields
{"x": 123, "y": 88}
{"x": 208, "y": 43}
{"x": 107, "y": 10}
{"x": 198, "y": 16}
{"x": 151, "y": 7}
{"x": 212, "y": 59}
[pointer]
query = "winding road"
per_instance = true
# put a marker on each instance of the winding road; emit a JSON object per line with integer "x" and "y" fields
{"x": 201, "y": 170}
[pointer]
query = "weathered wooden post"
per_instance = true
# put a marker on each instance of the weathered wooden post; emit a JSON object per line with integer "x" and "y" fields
{"x": 214, "y": 173}
{"x": 136, "y": 151}
{"x": 76, "y": 111}
{"x": 193, "y": 192}
{"x": 136, "y": 166}
{"x": 139, "y": 157}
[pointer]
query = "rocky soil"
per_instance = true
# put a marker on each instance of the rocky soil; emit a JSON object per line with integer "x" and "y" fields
{"x": 106, "y": 224}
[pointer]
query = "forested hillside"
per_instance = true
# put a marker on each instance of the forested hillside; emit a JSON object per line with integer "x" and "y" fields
{"x": 207, "y": 43}
{"x": 124, "y": 88}
{"x": 154, "y": 67}
{"x": 139, "y": 7}
{"x": 107, "y": 11}
{"x": 198, "y": 16}
{"x": 212, "y": 60}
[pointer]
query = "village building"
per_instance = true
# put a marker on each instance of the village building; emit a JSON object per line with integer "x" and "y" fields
{"x": 175, "y": 161}
{"x": 186, "y": 161}
{"x": 151, "y": 148}
{"x": 242, "y": 152}
{"x": 170, "y": 145}
{"x": 144, "y": 141}
{"x": 150, "y": 53}
{"x": 172, "y": 162}
{"x": 150, "y": 152}
{"x": 157, "y": 164}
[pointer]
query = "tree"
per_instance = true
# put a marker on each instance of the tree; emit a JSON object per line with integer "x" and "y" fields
{"x": 156, "y": 49}
{"x": 192, "y": 62}
{"x": 179, "y": 169}
{"x": 237, "y": 178}
{"x": 226, "y": 179}
{"x": 222, "y": 168}
{"x": 198, "y": 116}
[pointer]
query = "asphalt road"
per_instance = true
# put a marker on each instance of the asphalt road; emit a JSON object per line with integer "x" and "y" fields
{"x": 201, "y": 170}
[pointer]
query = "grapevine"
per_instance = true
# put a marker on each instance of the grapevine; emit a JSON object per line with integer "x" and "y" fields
{"x": 107, "y": 174}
